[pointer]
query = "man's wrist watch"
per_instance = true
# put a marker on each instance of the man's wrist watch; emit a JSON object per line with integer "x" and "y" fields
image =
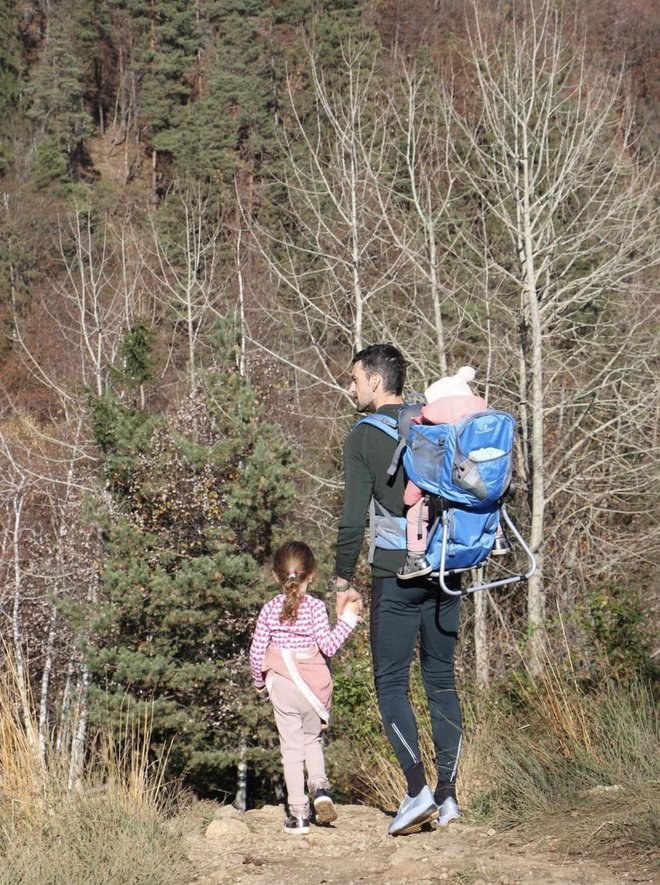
{"x": 338, "y": 585}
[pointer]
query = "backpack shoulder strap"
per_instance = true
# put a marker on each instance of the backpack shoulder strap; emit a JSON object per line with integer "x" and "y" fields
{"x": 390, "y": 426}
{"x": 385, "y": 530}
{"x": 383, "y": 422}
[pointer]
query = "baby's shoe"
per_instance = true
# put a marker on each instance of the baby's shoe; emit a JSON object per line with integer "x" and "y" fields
{"x": 415, "y": 566}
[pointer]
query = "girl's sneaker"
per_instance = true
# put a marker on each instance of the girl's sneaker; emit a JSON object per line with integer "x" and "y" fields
{"x": 296, "y": 825}
{"x": 324, "y": 809}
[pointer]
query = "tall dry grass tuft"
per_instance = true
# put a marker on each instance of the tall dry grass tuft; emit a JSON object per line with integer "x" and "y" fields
{"x": 22, "y": 771}
{"x": 123, "y": 759}
{"x": 113, "y": 827}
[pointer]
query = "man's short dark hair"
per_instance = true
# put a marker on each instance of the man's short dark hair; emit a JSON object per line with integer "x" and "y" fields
{"x": 388, "y": 362}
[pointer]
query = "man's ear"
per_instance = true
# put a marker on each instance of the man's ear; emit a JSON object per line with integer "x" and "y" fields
{"x": 376, "y": 380}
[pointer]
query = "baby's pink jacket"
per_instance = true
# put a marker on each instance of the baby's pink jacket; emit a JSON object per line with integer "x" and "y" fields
{"x": 450, "y": 409}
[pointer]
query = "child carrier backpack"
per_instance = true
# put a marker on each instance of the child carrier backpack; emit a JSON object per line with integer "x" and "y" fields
{"x": 465, "y": 470}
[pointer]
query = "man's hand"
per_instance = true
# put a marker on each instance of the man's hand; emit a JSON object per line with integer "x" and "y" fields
{"x": 344, "y": 592}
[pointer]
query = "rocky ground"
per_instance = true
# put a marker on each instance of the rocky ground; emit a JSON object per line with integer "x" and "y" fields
{"x": 252, "y": 848}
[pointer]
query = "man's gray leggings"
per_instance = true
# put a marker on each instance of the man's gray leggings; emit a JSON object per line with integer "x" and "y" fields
{"x": 400, "y": 612}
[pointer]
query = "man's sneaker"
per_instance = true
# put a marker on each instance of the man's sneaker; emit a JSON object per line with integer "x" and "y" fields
{"x": 296, "y": 825}
{"x": 501, "y": 545}
{"x": 413, "y": 813}
{"x": 415, "y": 566}
{"x": 325, "y": 811}
{"x": 447, "y": 812}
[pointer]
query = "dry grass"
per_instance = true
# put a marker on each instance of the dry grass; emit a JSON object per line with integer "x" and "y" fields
{"x": 111, "y": 829}
{"x": 130, "y": 776}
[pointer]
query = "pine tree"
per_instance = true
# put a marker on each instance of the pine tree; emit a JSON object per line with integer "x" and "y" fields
{"x": 11, "y": 69}
{"x": 197, "y": 496}
{"x": 229, "y": 125}
{"x": 169, "y": 60}
{"x": 58, "y": 108}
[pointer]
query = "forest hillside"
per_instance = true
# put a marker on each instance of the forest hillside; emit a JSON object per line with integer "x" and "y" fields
{"x": 207, "y": 209}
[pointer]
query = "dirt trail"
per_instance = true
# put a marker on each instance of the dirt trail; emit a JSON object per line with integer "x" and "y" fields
{"x": 252, "y": 848}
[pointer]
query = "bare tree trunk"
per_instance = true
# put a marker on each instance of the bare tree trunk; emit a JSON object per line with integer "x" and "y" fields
{"x": 481, "y": 655}
{"x": 21, "y": 668}
{"x": 188, "y": 282}
{"x": 240, "y": 802}
{"x": 45, "y": 685}
{"x": 64, "y": 727}
{"x": 154, "y": 179}
{"x": 241, "y": 295}
{"x": 79, "y": 739}
{"x": 535, "y": 593}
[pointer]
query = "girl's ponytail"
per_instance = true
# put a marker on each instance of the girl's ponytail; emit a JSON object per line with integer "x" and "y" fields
{"x": 293, "y": 566}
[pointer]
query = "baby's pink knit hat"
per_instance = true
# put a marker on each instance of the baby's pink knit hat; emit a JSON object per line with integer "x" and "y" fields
{"x": 451, "y": 385}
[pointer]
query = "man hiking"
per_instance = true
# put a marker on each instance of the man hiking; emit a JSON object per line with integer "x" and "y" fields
{"x": 402, "y": 612}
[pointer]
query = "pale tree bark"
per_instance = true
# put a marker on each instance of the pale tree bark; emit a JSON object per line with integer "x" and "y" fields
{"x": 44, "y": 697}
{"x": 79, "y": 737}
{"x": 63, "y": 731}
{"x": 14, "y": 494}
{"x": 240, "y": 802}
{"x": 46, "y": 481}
{"x": 61, "y": 567}
{"x": 481, "y": 656}
{"x": 19, "y": 639}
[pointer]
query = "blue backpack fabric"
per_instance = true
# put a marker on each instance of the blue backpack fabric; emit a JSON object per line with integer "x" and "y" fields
{"x": 466, "y": 468}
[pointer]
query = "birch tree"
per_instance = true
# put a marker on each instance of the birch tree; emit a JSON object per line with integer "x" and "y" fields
{"x": 49, "y": 560}
{"x": 514, "y": 207}
{"x": 86, "y": 307}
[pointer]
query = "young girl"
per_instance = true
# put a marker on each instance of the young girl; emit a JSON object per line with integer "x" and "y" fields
{"x": 291, "y": 638}
{"x": 448, "y": 400}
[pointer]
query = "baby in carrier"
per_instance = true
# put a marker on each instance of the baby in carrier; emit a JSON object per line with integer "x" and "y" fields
{"x": 448, "y": 400}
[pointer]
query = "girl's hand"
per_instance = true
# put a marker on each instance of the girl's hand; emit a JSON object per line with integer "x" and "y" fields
{"x": 354, "y": 606}
{"x": 344, "y": 597}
